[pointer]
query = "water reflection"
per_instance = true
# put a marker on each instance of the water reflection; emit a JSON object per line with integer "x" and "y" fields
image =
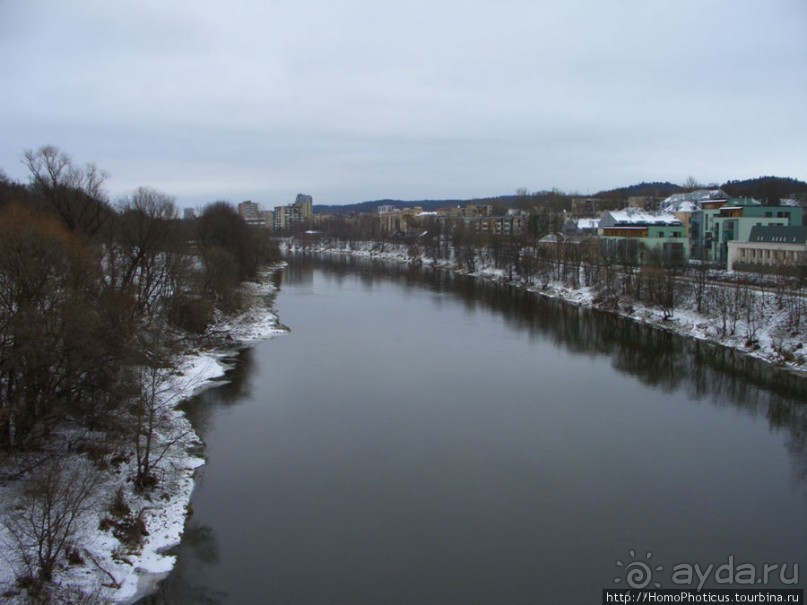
{"x": 200, "y": 550}
{"x": 200, "y": 547}
{"x": 233, "y": 387}
{"x": 581, "y": 516}
{"x": 656, "y": 357}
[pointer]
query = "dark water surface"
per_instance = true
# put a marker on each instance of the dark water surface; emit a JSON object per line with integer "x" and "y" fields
{"x": 419, "y": 438}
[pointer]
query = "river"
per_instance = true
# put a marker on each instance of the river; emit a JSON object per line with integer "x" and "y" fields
{"x": 421, "y": 438}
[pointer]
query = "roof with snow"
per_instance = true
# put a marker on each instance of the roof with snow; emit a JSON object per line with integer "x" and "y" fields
{"x": 690, "y": 201}
{"x": 683, "y": 206}
{"x": 637, "y": 217}
{"x": 588, "y": 223}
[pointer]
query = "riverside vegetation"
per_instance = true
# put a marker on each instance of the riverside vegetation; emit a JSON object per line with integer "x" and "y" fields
{"x": 96, "y": 299}
{"x": 762, "y": 314}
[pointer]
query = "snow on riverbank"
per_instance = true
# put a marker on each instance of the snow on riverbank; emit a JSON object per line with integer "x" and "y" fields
{"x": 109, "y": 570}
{"x": 774, "y": 344}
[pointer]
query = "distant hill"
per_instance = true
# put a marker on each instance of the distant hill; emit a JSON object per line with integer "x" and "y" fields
{"x": 372, "y": 206}
{"x": 769, "y": 189}
{"x": 656, "y": 189}
{"x": 427, "y": 205}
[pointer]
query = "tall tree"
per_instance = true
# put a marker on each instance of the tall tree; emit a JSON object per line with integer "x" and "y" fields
{"x": 220, "y": 226}
{"x": 147, "y": 252}
{"x": 75, "y": 193}
{"x": 63, "y": 336}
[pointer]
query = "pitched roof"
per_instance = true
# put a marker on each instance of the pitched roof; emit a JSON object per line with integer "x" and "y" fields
{"x": 778, "y": 234}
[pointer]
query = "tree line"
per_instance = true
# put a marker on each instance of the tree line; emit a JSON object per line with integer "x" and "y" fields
{"x": 83, "y": 279}
{"x": 621, "y": 274}
{"x": 96, "y": 297}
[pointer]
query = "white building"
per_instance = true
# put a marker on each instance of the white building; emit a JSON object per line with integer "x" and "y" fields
{"x": 770, "y": 246}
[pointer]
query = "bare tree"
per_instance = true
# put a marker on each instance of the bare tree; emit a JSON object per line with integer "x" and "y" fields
{"x": 590, "y": 257}
{"x": 75, "y": 193}
{"x": 152, "y": 406}
{"x": 700, "y": 279}
{"x": 692, "y": 184}
{"x": 659, "y": 282}
{"x": 609, "y": 292}
{"x": 44, "y": 521}
{"x": 63, "y": 336}
{"x": 147, "y": 250}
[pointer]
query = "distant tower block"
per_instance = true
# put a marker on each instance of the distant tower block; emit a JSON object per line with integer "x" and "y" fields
{"x": 306, "y": 204}
{"x": 249, "y": 211}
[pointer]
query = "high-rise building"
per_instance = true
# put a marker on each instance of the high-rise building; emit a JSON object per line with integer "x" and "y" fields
{"x": 287, "y": 216}
{"x": 252, "y": 214}
{"x": 306, "y": 203}
{"x": 301, "y": 210}
{"x": 249, "y": 211}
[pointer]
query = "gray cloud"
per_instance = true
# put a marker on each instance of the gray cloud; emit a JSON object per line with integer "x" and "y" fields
{"x": 352, "y": 100}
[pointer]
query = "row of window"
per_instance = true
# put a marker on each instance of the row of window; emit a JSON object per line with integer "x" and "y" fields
{"x": 779, "y": 239}
{"x": 754, "y": 255}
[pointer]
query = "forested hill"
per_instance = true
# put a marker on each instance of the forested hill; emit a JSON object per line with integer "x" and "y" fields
{"x": 654, "y": 189}
{"x": 373, "y": 206}
{"x": 427, "y": 205}
{"x": 766, "y": 188}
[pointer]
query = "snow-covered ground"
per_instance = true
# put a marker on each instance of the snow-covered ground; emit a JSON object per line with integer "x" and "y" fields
{"x": 774, "y": 344}
{"x": 111, "y": 571}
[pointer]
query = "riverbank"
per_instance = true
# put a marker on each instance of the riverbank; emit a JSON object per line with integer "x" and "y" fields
{"x": 774, "y": 343}
{"x": 104, "y": 568}
{"x": 415, "y": 417}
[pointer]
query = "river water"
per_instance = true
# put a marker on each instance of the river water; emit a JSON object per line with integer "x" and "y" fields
{"x": 420, "y": 438}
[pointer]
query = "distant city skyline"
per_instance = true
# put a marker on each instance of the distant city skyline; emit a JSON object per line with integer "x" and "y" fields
{"x": 352, "y": 101}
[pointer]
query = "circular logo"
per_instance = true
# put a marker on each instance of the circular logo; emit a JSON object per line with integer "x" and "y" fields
{"x": 638, "y": 573}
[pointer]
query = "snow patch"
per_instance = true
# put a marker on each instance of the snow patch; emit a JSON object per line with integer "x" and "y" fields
{"x": 164, "y": 510}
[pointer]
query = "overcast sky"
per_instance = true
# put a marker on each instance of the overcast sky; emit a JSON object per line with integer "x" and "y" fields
{"x": 354, "y": 100}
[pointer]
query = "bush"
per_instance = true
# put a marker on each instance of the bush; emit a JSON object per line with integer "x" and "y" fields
{"x": 44, "y": 521}
{"x": 192, "y": 314}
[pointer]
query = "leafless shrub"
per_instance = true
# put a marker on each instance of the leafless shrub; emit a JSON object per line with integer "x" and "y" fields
{"x": 43, "y": 522}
